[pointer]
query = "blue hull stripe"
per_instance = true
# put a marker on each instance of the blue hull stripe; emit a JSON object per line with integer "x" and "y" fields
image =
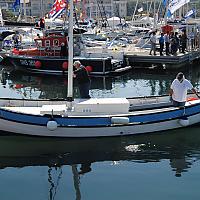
{"x": 97, "y": 121}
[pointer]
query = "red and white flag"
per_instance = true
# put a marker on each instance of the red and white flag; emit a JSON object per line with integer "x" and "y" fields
{"x": 58, "y": 7}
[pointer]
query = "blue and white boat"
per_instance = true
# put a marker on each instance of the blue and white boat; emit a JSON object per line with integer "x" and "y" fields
{"x": 95, "y": 117}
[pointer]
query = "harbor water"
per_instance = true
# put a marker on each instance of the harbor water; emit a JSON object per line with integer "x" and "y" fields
{"x": 151, "y": 166}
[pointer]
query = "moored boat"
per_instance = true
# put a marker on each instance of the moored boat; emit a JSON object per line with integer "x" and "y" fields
{"x": 50, "y": 56}
{"x": 96, "y": 117}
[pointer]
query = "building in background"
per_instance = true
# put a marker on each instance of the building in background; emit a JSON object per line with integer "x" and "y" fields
{"x": 105, "y": 8}
{"x": 85, "y": 8}
{"x": 40, "y": 8}
{"x": 7, "y": 4}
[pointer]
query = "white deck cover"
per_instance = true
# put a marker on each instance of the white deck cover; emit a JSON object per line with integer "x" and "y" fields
{"x": 103, "y": 105}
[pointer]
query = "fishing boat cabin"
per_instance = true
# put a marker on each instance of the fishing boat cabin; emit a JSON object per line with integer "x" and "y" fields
{"x": 53, "y": 43}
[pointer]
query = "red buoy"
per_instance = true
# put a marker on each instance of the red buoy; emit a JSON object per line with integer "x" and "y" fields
{"x": 89, "y": 68}
{"x": 38, "y": 64}
{"x": 19, "y": 86}
{"x": 65, "y": 65}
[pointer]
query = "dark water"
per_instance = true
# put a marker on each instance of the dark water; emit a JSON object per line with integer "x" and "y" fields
{"x": 163, "y": 165}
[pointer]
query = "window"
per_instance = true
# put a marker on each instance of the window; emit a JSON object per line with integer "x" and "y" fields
{"x": 55, "y": 42}
{"x": 47, "y": 43}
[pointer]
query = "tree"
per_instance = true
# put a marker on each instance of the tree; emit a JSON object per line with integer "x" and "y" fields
{"x": 8, "y": 15}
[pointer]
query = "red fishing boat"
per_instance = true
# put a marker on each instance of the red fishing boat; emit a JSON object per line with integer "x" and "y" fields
{"x": 50, "y": 56}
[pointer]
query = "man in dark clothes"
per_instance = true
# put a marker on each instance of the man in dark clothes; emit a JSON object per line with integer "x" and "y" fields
{"x": 63, "y": 49}
{"x": 83, "y": 79}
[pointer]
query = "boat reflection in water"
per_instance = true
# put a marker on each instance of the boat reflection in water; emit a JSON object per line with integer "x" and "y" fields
{"x": 180, "y": 147}
{"x": 135, "y": 83}
{"x": 49, "y": 87}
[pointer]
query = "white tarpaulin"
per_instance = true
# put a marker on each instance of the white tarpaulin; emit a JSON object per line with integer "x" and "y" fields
{"x": 113, "y": 21}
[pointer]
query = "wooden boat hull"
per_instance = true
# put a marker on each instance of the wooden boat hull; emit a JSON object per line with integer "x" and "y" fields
{"x": 139, "y": 121}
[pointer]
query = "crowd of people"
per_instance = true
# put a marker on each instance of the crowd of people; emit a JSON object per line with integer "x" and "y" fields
{"x": 171, "y": 43}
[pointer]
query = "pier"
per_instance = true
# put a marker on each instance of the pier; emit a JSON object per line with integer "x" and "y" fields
{"x": 136, "y": 58}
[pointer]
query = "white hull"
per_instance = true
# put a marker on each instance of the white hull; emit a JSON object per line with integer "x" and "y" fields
{"x": 95, "y": 117}
{"x": 36, "y": 130}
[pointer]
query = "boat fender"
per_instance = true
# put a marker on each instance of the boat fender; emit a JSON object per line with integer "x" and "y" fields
{"x": 119, "y": 120}
{"x": 52, "y": 125}
{"x": 38, "y": 64}
{"x": 65, "y": 65}
{"x": 89, "y": 68}
{"x": 184, "y": 121}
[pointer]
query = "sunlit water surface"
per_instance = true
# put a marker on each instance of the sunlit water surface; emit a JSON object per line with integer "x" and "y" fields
{"x": 164, "y": 165}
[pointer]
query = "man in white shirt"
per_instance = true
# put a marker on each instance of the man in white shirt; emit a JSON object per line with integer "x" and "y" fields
{"x": 179, "y": 88}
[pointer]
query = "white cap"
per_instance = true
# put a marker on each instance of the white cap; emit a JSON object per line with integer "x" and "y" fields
{"x": 77, "y": 62}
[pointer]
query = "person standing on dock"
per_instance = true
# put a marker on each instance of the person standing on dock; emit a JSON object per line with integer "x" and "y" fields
{"x": 167, "y": 43}
{"x": 153, "y": 43}
{"x": 179, "y": 88}
{"x": 161, "y": 43}
{"x": 82, "y": 77}
{"x": 183, "y": 41}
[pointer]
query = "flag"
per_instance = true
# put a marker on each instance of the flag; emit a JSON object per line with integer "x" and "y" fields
{"x": 169, "y": 14}
{"x": 58, "y": 7}
{"x": 164, "y": 2}
{"x": 190, "y": 13}
{"x": 176, "y": 4}
{"x": 15, "y": 4}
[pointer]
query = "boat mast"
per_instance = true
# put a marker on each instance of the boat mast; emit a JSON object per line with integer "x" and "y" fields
{"x": 25, "y": 10}
{"x": 166, "y": 11}
{"x": 76, "y": 182}
{"x": 133, "y": 17}
{"x": 70, "y": 52}
{"x": 1, "y": 18}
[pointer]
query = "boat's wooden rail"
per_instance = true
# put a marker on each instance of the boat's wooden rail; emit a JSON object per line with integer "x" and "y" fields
{"x": 29, "y": 103}
{"x": 143, "y": 103}
{"x": 137, "y": 103}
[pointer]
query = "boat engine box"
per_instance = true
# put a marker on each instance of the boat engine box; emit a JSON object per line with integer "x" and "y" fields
{"x": 103, "y": 105}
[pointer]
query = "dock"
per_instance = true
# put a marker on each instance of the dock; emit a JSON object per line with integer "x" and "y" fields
{"x": 141, "y": 58}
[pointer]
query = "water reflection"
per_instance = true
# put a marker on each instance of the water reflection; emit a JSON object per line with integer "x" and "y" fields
{"x": 128, "y": 85}
{"x": 134, "y": 83}
{"x": 180, "y": 147}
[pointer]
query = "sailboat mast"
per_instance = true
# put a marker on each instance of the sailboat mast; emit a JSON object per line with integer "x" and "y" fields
{"x": 166, "y": 11}
{"x": 133, "y": 17}
{"x": 70, "y": 52}
{"x": 25, "y": 10}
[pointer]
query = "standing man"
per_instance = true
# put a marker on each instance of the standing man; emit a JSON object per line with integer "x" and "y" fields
{"x": 161, "y": 43}
{"x": 153, "y": 43}
{"x": 167, "y": 43}
{"x": 179, "y": 88}
{"x": 184, "y": 41}
{"x": 83, "y": 79}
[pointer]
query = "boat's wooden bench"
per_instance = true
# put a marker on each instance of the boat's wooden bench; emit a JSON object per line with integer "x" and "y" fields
{"x": 143, "y": 106}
